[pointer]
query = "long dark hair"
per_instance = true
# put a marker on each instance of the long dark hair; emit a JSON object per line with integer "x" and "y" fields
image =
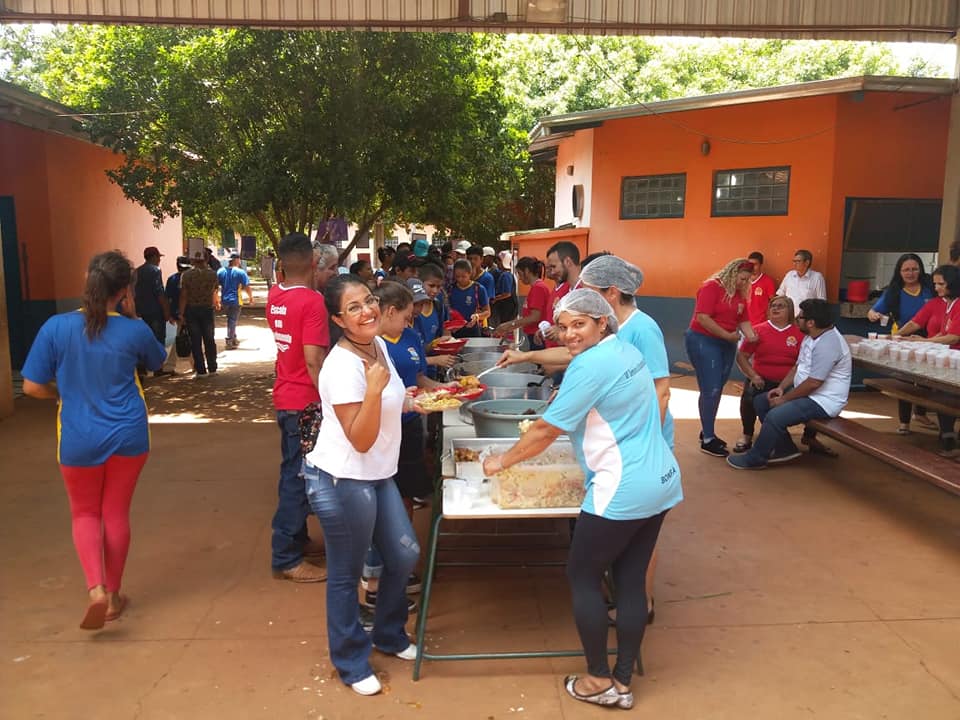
{"x": 892, "y": 291}
{"x": 951, "y": 276}
{"x": 107, "y": 274}
{"x": 333, "y": 295}
{"x": 531, "y": 265}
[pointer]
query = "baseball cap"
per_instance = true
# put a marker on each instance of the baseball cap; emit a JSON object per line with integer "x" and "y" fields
{"x": 183, "y": 262}
{"x": 463, "y": 246}
{"x": 421, "y": 247}
{"x": 489, "y": 251}
{"x": 416, "y": 287}
{"x": 234, "y": 256}
{"x": 506, "y": 257}
{"x": 151, "y": 251}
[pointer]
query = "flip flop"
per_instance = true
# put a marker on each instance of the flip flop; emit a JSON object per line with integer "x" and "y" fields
{"x": 95, "y": 615}
{"x": 113, "y": 615}
{"x": 607, "y": 697}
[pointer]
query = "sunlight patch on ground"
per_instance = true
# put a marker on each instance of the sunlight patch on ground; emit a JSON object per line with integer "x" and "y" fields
{"x": 192, "y": 419}
{"x": 683, "y": 406}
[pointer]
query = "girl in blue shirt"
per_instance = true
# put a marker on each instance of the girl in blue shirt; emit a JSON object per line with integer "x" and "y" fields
{"x": 88, "y": 361}
{"x": 608, "y": 406}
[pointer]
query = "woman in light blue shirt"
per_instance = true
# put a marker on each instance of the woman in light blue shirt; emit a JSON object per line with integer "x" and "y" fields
{"x": 608, "y": 406}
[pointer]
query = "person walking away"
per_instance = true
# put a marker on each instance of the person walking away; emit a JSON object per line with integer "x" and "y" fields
{"x": 803, "y": 282}
{"x": 151, "y": 301}
{"x": 816, "y": 388}
{"x": 298, "y": 319}
{"x": 172, "y": 291}
{"x": 268, "y": 266}
{"x": 719, "y": 317}
{"x": 88, "y": 361}
{"x": 762, "y": 288}
{"x": 608, "y": 406}
{"x": 199, "y": 299}
{"x": 232, "y": 280}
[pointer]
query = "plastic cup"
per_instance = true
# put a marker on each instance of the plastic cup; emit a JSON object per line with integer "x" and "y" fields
{"x": 884, "y": 320}
{"x": 872, "y": 335}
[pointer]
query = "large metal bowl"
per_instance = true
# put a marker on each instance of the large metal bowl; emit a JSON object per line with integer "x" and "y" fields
{"x": 536, "y": 392}
{"x": 501, "y": 418}
{"x": 486, "y": 343}
{"x": 472, "y": 368}
{"x": 490, "y": 358}
{"x": 504, "y": 378}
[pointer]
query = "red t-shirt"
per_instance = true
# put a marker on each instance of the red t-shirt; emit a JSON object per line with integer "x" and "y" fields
{"x": 558, "y": 292}
{"x": 774, "y": 351}
{"x": 931, "y": 317}
{"x": 538, "y": 298}
{"x": 712, "y": 300}
{"x": 297, "y": 316}
{"x": 951, "y": 321}
{"x": 761, "y": 290}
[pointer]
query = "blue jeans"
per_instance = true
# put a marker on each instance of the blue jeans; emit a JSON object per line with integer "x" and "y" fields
{"x": 290, "y": 520}
{"x": 363, "y": 512}
{"x": 774, "y": 433}
{"x": 233, "y": 314}
{"x": 712, "y": 359}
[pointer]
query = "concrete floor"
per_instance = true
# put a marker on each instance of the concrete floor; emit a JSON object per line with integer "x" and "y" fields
{"x": 827, "y": 588}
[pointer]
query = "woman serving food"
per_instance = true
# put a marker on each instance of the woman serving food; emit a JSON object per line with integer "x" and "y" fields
{"x": 608, "y": 406}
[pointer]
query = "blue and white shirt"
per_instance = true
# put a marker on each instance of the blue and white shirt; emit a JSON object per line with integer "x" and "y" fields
{"x": 642, "y": 331}
{"x": 408, "y": 358}
{"x": 608, "y": 405}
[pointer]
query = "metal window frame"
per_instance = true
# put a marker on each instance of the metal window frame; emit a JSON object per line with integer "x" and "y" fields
{"x": 659, "y": 216}
{"x": 714, "y": 212}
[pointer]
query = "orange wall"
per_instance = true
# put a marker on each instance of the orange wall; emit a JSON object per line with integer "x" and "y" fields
{"x": 888, "y": 145}
{"x": 537, "y": 244}
{"x": 677, "y": 254}
{"x": 68, "y": 210}
{"x": 576, "y": 153}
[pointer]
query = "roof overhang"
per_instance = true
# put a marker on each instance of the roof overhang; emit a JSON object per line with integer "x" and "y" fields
{"x": 891, "y": 20}
{"x": 26, "y": 108}
{"x": 559, "y": 126}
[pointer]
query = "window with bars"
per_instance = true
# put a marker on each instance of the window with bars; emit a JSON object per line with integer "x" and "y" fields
{"x": 751, "y": 191}
{"x": 653, "y": 196}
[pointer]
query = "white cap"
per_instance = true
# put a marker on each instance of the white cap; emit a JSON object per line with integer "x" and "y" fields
{"x": 462, "y": 247}
{"x": 489, "y": 251}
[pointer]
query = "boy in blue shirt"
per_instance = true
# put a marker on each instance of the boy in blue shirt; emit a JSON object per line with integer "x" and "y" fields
{"x": 232, "y": 278}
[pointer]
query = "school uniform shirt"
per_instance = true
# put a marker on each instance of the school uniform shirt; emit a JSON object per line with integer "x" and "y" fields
{"x": 408, "y": 358}
{"x": 910, "y": 303}
{"x": 469, "y": 300}
{"x": 539, "y": 297}
{"x": 712, "y": 299}
{"x": 761, "y": 290}
{"x": 798, "y": 289}
{"x": 486, "y": 281}
{"x": 826, "y": 358}
{"x": 775, "y": 350}
{"x": 102, "y": 411}
{"x": 642, "y": 331}
{"x": 607, "y": 404}
{"x": 343, "y": 381}
{"x": 297, "y": 316}
{"x": 231, "y": 279}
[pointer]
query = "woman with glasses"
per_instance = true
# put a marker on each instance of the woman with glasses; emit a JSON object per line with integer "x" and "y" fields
{"x": 355, "y": 458}
{"x": 766, "y": 361}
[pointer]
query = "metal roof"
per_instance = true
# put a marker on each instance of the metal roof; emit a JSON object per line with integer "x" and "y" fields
{"x": 902, "y": 20}
{"x": 548, "y": 131}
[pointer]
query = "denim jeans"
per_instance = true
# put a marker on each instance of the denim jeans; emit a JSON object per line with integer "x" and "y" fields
{"x": 290, "y": 520}
{"x": 362, "y": 512}
{"x": 712, "y": 359}
{"x": 233, "y": 314}
{"x": 199, "y": 319}
{"x": 774, "y": 433}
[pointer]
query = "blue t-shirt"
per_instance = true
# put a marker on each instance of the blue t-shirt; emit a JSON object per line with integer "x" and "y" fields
{"x": 909, "y": 304}
{"x": 102, "y": 409}
{"x": 428, "y": 327}
{"x": 147, "y": 291}
{"x": 231, "y": 279}
{"x": 173, "y": 295}
{"x": 506, "y": 283}
{"x": 642, "y": 331}
{"x": 470, "y": 300}
{"x": 608, "y": 405}
{"x": 408, "y": 358}
{"x": 486, "y": 281}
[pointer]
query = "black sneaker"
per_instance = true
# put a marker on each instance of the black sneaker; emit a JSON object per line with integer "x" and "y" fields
{"x": 366, "y": 619}
{"x": 369, "y": 600}
{"x": 715, "y": 447}
{"x": 414, "y": 584}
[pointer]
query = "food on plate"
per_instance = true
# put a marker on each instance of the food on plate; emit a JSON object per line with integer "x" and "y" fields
{"x": 437, "y": 400}
{"x": 469, "y": 381}
{"x": 466, "y": 455}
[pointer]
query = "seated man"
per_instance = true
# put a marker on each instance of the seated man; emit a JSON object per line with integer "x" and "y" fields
{"x": 821, "y": 386}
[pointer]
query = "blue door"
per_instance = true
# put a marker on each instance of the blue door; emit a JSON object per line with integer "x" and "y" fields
{"x": 11, "y": 277}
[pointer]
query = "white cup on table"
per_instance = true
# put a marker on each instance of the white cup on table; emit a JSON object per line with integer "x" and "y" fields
{"x": 871, "y": 336}
{"x": 884, "y": 320}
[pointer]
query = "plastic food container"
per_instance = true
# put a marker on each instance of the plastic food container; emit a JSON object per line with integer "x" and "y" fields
{"x": 553, "y": 479}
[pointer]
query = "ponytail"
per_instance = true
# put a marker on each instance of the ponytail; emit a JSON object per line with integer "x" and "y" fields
{"x": 531, "y": 265}
{"x": 107, "y": 274}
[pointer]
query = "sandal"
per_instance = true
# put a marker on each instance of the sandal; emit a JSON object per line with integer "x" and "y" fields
{"x": 742, "y": 446}
{"x": 114, "y": 614}
{"x": 95, "y": 615}
{"x": 607, "y": 697}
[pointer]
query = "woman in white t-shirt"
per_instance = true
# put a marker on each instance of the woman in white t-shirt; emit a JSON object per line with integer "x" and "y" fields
{"x": 350, "y": 486}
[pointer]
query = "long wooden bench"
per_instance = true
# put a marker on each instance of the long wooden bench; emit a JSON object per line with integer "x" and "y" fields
{"x": 932, "y": 399}
{"x": 942, "y": 472}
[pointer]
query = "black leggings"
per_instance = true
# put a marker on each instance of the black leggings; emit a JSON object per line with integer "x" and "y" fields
{"x": 625, "y": 547}
{"x": 748, "y": 415}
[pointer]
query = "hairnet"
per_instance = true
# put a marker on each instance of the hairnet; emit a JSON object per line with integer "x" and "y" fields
{"x": 610, "y": 271}
{"x": 584, "y": 301}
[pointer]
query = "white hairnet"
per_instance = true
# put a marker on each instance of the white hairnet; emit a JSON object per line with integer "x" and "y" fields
{"x": 585, "y": 301}
{"x": 609, "y": 271}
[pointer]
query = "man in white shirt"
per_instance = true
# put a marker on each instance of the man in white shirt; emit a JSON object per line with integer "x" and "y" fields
{"x": 821, "y": 386}
{"x": 802, "y": 283}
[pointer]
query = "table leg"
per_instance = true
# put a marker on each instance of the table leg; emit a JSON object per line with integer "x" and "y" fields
{"x": 431, "y": 563}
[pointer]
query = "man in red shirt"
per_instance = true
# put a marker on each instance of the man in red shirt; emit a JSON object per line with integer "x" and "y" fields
{"x": 298, "y": 318}
{"x": 762, "y": 288}
{"x": 563, "y": 267}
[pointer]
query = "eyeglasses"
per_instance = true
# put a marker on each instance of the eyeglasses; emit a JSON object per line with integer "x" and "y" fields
{"x": 354, "y": 309}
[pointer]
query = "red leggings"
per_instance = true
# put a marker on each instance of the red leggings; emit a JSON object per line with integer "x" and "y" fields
{"x": 100, "y": 506}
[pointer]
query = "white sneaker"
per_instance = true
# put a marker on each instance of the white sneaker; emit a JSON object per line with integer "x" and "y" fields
{"x": 370, "y": 685}
{"x": 409, "y": 654}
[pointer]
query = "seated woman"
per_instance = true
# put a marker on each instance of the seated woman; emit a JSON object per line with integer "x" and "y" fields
{"x": 941, "y": 319}
{"x": 608, "y": 406}
{"x": 766, "y": 361}
{"x": 909, "y": 288}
